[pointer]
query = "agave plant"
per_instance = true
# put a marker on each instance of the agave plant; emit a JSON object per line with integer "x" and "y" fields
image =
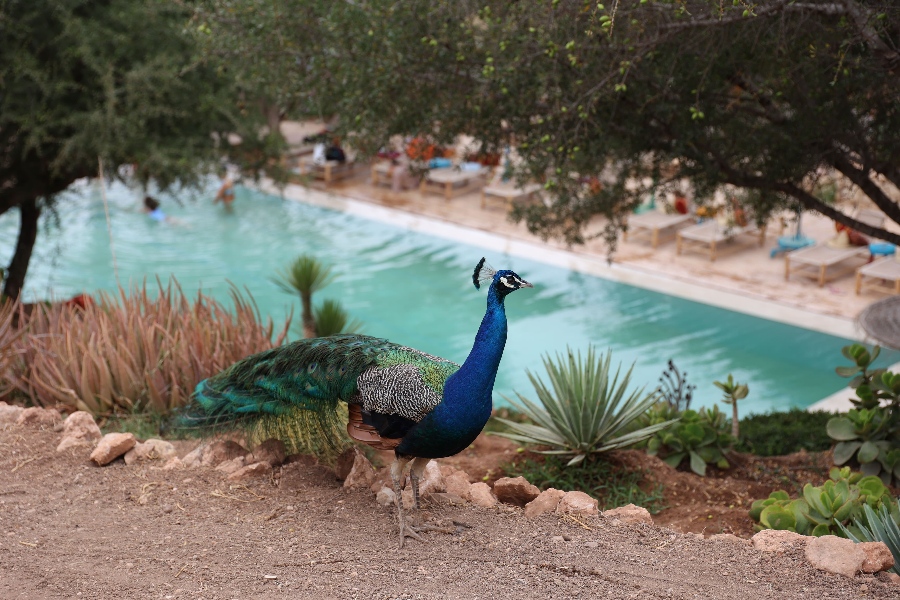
{"x": 305, "y": 276}
{"x": 878, "y": 526}
{"x": 583, "y": 412}
{"x": 331, "y": 319}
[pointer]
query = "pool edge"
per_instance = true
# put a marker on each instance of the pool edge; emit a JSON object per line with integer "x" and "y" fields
{"x": 582, "y": 263}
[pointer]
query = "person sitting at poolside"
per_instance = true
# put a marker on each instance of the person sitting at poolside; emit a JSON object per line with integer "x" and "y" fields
{"x": 151, "y": 207}
{"x": 226, "y": 192}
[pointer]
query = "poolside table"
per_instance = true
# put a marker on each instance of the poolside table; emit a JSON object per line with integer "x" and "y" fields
{"x": 453, "y": 181}
{"x": 508, "y": 192}
{"x": 329, "y": 171}
{"x": 650, "y": 224}
{"x": 814, "y": 261}
{"x": 381, "y": 172}
{"x": 707, "y": 236}
{"x": 882, "y": 275}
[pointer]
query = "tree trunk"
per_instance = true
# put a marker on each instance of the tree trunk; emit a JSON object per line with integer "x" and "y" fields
{"x": 734, "y": 420}
{"x": 18, "y": 266}
{"x": 309, "y": 323}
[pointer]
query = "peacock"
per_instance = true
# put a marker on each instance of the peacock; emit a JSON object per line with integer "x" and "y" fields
{"x": 418, "y": 405}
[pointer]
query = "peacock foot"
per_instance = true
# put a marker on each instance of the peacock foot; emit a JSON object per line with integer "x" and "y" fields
{"x": 413, "y": 531}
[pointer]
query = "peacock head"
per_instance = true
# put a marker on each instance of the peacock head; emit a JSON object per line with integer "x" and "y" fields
{"x": 503, "y": 281}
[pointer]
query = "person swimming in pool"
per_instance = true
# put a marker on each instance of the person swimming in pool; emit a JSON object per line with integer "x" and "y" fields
{"x": 151, "y": 207}
{"x": 226, "y": 192}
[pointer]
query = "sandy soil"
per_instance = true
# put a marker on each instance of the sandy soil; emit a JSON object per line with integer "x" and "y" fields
{"x": 72, "y": 530}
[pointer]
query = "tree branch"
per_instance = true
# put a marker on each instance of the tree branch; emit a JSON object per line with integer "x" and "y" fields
{"x": 869, "y": 187}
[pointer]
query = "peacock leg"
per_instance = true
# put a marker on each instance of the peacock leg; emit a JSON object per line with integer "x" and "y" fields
{"x": 397, "y": 477}
{"x": 416, "y": 470}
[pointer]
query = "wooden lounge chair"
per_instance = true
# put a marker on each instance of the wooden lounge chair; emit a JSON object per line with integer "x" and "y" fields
{"x": 454, "y": 181}
{"x": 650, "y": 224}
{"x": 815, "y": 261}
{"x": 507, "y": 191}
{"x": 882, "y": 275}
{"x": 381, "y": 172}
{"x": 329, "y": 171}
{"x": 709, "y": 235}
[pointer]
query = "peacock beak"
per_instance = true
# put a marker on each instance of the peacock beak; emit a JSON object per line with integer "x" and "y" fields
{"x": 526, "y": 284}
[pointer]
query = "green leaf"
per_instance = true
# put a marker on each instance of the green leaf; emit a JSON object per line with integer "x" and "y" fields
{"x": 698, "y": 465}
{"x": 844, "y": 451}
{"x": 867, "y": 452}
{"x": 847, "y": 371}
{"x": 675, "y": 459}
{"x": 841, "y": 429}
{"x": 820, "y": 530}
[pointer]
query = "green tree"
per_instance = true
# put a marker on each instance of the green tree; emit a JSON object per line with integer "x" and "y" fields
{"x": 766, "y": 96}
{"x": 117, "y": 80}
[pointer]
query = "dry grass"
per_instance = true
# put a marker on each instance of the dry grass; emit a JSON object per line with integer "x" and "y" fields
{"x": 9, "y": 335}
{"x": 133, "y": 352}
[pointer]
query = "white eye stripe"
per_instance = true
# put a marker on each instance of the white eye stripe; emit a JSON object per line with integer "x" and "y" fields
{"x": 504, "y": 282}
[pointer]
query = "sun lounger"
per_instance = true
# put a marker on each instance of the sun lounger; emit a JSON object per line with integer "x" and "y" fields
{"x": 882, "y": 275}
{"x": 454, "y": 181}
{"x": 508, "y": 192}
{"x": 650, "y": 224}
{"x": 329, "y": 171}
{"x": 815, "y": 261}
{"x": 708, "y": 236}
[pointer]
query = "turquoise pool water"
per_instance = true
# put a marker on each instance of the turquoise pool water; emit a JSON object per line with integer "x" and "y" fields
{"x": 416, "y": 290}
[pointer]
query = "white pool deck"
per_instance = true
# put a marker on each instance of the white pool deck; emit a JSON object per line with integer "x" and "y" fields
{"x": 745, "y": 281}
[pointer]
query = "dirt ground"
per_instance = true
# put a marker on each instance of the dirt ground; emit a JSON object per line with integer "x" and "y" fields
{"x": 72, "y": 530}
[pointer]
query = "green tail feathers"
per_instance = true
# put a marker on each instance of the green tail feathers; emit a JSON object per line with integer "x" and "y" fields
{"x": 295, "y": 393}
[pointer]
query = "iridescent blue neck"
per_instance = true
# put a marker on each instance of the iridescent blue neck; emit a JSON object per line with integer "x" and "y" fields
{"x": 471, "y": 387}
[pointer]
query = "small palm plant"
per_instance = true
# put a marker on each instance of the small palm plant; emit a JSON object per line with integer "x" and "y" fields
{"x": 734, "y": 391}
{"x": 586, "y": 412}
{"x": 305, "y": 276}
{"x": 331, "y": 319}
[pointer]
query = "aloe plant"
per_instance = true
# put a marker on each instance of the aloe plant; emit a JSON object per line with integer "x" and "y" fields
{"x": 584, "y": 411}
{"x": 698, "y": 437}
{"x": 878, "y": 526}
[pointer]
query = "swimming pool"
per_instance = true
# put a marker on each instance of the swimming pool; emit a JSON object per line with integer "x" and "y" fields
{"x": 416, "y": 290}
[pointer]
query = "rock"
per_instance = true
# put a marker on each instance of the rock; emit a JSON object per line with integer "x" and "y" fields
{"x": 447, "y": 498}
{"x": 515, "y": 490}
{"x": 432, "y": 481}
{"x": 835, "y": 555}
{"x": 729, "y": 537}
{"x": 306, "y": 460}
{"x": 232, "y": 466}
{"x": 629, "y": 514}
{"x": 9, "y": 413}
{"x": 480, "y": 495}
{"x": 878, "y": 557}
{"x": 775, "y": 540}
{"x": 44, "y": 418}
{"x": 194, "y": 458}
{"x": 271, "y": 451}
{"x": 386, "y": 497}
{"x": 173, "y": 464}
{"x": 579, "y": 503}
{"x": 344, "y": 463}
{"x": 361, "y": 474}
{"x": 79, "y": 429}
{"x": 152, "y": 449}
{"x": 257, "y": 469}
{"x": 111, "y": 447}
{"x": 592, "y": 544}
{"x": 890, "y": 577}
{"x": 457, "y": 483}
{"x": 546, "y": 502}
{"x": 220, "y": 451}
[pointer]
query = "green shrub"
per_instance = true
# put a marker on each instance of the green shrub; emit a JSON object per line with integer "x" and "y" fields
{"x": 869, "y": 435}
{"x": 611, "y": 484}
{"x": 780, "y": 433}
{"x": 586, "y": 412}
{"x": 824, "y": 510}
{"x": 698, "y": 437}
